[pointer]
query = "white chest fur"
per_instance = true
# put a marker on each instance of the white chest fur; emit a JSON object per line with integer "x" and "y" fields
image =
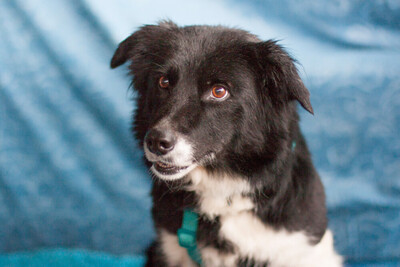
{"x": 226, "y": 197}
{"x": 219, "y": 196}
{"x": 261, "y": 242}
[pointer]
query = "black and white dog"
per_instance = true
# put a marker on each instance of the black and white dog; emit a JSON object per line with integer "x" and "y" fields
{"x": 216, "y": 116}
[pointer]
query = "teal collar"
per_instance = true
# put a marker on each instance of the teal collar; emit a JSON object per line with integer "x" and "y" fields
{"x": 187, "y": 234}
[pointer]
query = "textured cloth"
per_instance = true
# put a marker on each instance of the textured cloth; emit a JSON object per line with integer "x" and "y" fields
{"x": 84, "y": 258}
{"x": 68, "y": 258}
{"x": 71, "y": 174}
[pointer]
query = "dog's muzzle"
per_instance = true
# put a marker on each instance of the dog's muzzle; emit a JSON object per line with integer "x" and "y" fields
{"x": 169, "y": 152}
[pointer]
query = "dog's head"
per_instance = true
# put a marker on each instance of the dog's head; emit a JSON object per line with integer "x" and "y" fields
{"x": 209, "y": 96}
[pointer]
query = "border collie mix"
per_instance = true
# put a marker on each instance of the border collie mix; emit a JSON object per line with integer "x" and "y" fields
{"x": 234, "y": 181}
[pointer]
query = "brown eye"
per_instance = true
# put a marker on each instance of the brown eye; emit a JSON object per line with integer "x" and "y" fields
{"x": 219, "y": 92}
{"x": 163, "y": 82}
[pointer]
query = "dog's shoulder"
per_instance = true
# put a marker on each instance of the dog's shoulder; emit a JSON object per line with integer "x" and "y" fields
{"x": 225, "y": 202}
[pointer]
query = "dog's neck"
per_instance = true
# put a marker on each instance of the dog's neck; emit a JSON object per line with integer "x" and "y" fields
{"x": 224, "y": 192}
{"x": 220, "y": 194}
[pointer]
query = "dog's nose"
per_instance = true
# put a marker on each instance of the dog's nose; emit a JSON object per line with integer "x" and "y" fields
{"x": 160, "y": 142}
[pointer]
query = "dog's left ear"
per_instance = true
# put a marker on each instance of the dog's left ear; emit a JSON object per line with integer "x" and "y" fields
{"x": 281, "y": 75}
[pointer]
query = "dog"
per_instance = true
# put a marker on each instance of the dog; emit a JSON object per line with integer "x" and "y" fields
{"x": 216, "y": 116}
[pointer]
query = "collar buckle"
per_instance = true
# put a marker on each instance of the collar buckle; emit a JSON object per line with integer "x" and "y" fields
{"x": 186, "y": 238}
{"x": 187, "y": 234}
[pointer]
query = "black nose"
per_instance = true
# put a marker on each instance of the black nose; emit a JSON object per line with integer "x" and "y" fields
{"x": 160, "y": 142}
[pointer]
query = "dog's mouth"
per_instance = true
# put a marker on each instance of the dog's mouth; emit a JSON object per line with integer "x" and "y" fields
{"x": 168, "y": 169}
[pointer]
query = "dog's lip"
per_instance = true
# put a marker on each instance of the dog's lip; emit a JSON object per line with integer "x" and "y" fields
{"x": 168, "y": 168}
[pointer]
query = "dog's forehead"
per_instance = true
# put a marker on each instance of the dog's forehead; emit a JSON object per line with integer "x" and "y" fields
{"x": 193, "y": 43}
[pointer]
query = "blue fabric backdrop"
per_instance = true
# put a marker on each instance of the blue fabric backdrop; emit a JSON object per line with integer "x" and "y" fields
{"x": 71, "y": 175}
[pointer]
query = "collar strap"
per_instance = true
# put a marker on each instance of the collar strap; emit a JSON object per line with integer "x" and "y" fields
{"x": 187, "y": 234}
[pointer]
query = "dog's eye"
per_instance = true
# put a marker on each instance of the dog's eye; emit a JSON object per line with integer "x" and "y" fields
{"x": 219, "y": 92}
{"x": 163, "y": 82}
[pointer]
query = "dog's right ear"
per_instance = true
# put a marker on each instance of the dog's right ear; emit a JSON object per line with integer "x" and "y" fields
{"x": 122, "y": 54}
{"x": 137, "y": 45}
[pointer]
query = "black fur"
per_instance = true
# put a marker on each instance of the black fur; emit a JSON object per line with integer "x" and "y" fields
{"x": 251, "y": 133}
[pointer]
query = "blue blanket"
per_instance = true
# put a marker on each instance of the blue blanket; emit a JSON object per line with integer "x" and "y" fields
{"x": 69, "y": 258}
{"x": 71, "y": 175}
{"x": 84, "y": 258}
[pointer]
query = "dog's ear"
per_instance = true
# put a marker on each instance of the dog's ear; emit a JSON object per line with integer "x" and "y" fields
{"x": 122, "y": 53}
{"x": 137, "y": 45}
{"x": 280, "y": 74}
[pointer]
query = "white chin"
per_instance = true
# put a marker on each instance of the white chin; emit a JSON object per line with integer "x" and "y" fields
{"x": 175, "y": 176}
